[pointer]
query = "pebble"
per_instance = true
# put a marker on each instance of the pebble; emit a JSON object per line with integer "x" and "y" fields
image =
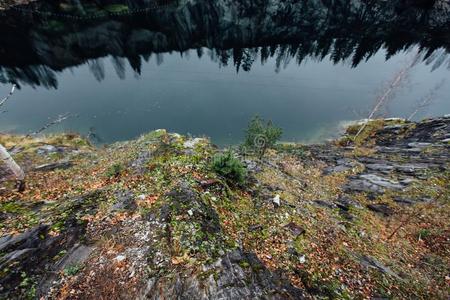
{"x": 276, "y": 200}
{"x": 120, "y": 258}
{"x": 302, "y": 259}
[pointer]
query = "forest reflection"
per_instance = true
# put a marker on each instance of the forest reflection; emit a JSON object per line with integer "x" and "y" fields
{"x": 42, "y": 39}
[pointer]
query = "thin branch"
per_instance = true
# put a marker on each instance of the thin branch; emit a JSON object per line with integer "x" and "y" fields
{"x": 58, "y": 120}
{"x": 388, "y": 92}
{"x": 414, "y": 213}
{"x": 427, "y": 100}
{"x": 13, "y": 88}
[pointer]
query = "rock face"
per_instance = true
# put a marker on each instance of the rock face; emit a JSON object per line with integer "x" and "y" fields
{"x": 236, "y": 275}
{"x": 31, "y": 259}
{"x": 371, "y": 183}
{"x": 167, "y": 227}
{"x": 403, "y": 154}
{"x": 399, "y": 158}
{"x": 32, "y": 251}
{"x": 184, "y": 225}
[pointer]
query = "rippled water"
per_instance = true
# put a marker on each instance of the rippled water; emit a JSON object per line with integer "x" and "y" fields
{"x": 206, "y": 68}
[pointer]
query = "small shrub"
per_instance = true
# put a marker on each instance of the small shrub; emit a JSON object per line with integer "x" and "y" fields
{"x": 229, "y": 167}
{"x": 424, "y": 233}
{"x": 261, "y": 135}
{"x": 28, "y": 285}
{"x": 72, "y": 270}
{"x": 114, "y": 170}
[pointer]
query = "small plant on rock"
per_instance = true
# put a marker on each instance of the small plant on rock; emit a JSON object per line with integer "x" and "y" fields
{"x": 228, "y": 166}
{"x": 72, "y": 270}
{"x": 261, "y": 135}
{"x": 424, "y": 233}
{"x": 114, "y": 171}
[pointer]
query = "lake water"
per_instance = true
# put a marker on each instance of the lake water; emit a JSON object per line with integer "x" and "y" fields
{"x": 205, "y": 68}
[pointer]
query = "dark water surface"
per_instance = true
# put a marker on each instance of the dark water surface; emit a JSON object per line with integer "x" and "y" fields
{"x": 206, "y": 67}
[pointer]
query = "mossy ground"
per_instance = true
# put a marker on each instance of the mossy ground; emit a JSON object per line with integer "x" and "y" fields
{"x": 324, "y": 260}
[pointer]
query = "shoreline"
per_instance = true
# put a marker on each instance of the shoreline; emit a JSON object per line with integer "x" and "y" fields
{"x": 340, "y": 130}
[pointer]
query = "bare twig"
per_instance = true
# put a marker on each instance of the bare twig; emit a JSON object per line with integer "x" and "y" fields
{"x": 414, "y": 213}
{"x": 427, "y": 100}
{"x": 13, "y": 88}
{"x": 395, "y": 83}
{"x": 58, "y": 120}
